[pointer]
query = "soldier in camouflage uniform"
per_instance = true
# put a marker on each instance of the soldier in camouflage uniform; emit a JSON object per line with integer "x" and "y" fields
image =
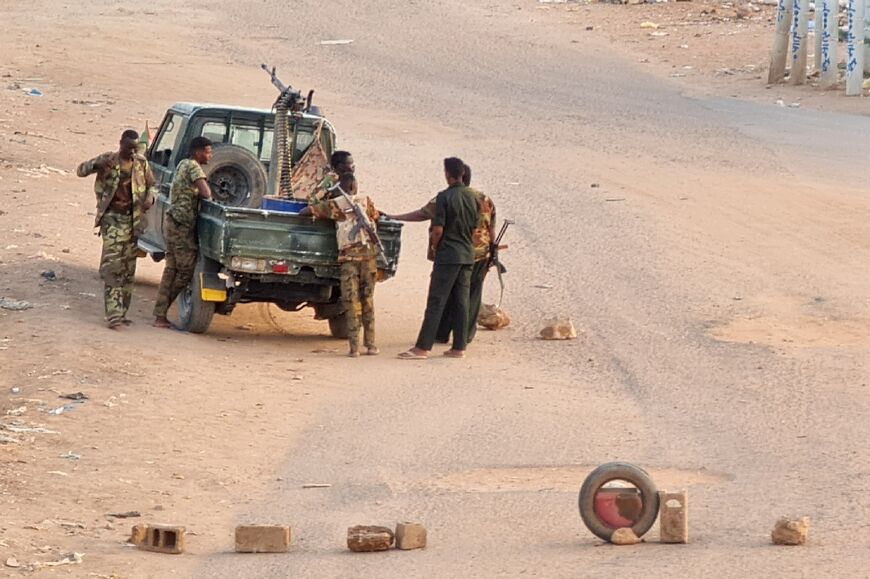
{"x": 341, "y": 163}
{"x": 189, "y": 185}
{"x": 125, "y": 189}
{"x": 482, "y": 239}
{"x": 357, "y": 254}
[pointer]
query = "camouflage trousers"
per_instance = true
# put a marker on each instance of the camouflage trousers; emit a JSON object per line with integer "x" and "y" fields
{"x": 358, "y": 297}
{"x": 181, "y": 250}
{"x": 117, "y": 264}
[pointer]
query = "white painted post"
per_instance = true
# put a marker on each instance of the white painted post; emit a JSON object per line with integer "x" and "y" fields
{"x": 779, "y": 54}
{"x": 828, "y": 34}
{"x": 818, "y": 32}
{"x": 855, "y": 48}
{"x": 798, "y": 74}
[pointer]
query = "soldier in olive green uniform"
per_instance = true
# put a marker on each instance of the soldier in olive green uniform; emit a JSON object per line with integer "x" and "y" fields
{"x": 189, "y": 185}
{"x": 451, "y": 241}
{"x": 357, "y": 254}
{"x": 125, "y": 189}
{"x": 482, "y": 240}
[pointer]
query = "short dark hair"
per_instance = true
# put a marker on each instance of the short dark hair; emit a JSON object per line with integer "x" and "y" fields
{"x": 338, "y": 158}
{"x": 199, "y": 144}
{"x": 129, "y": 135}
{"x": 454, "y": 167}
{"x": 466, "y": 175}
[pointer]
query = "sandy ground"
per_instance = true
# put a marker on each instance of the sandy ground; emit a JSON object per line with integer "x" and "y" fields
{"x": 712, "y": 261}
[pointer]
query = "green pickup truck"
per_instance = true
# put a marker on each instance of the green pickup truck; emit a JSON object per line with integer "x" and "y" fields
{"x": 246, "y": 253}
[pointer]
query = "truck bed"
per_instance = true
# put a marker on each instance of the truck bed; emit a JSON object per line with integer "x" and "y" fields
{"x": 279, "y": 239}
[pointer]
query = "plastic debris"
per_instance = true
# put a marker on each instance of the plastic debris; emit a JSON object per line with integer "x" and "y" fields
{"x": 125, "y": 515}
{"x": 14, "y": 305}
{"x": 75, "y": 396}
{"x": 12, "y": 562}
{"x": 68, "y": 559}
{"x": 649, "y": 25}
{"x": 17, "y": 411}
{"x": 335, "y": 42}
{"x": 49, "y": 275}
{"x": 35, "y": 92}
{"x": 71, "y": 455}
{"x": 15, "y": 390}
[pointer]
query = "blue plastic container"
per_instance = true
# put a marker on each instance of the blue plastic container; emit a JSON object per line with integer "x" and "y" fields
{"x": 285, "y": 205}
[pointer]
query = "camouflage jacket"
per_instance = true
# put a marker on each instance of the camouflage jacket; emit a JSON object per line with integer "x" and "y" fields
{"x": 353, "y": 241}
{"x": 143, "y": 186}
{"x": 184, "y": 195}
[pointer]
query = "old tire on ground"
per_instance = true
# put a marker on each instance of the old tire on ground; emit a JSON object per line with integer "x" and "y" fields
{"x": 338, "y": 326}
{"x": 194, "y": 314}
{"x": 236, "y": 177}
{"x": 625, "y": 472}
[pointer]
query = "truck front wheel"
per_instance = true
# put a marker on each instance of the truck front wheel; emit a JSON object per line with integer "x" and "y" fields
{"x": 194, "y": 313}
{"x": 338, "y": 326}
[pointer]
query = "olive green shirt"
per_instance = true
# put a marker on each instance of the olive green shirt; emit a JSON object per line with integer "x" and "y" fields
{"x": 456, "y": 210}
{"x": 184, "y": 196}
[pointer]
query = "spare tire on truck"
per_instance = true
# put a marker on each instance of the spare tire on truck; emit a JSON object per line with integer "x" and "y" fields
{"x": 236, "y": 177}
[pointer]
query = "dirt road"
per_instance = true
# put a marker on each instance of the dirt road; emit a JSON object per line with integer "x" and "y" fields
{"x": 713, "y": 261}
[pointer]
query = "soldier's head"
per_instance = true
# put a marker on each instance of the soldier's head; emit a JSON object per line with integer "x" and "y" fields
{"x": 454, "y": 169}
{"x": 201, "y": 150}
{"x": 129, "y": 144}
{"x": 342, "y": 162}
{"x": 466, "y": 175}
{"x": 348, "y": 183}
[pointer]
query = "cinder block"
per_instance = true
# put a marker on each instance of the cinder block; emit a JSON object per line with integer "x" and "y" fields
{"x": 674, "y": 517}
{"x": 161, "y": 538}
{"x": 410, "y": 536}
{"x": 262, "y": 539}
{"x": 363, "y": 538}
{"x": 138, "y": 534}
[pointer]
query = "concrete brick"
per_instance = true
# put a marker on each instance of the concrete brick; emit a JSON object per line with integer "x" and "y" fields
{"x": 674, "y": 517}
{"x": 161, "y": 538}
{"x": 262, "y": 539}
{"x": 362, "y": 538}
{"x": 410, "y": 536}
{"x": 138, "y": 534}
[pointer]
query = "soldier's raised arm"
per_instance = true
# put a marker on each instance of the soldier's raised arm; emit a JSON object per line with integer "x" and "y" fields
{"x": 92, "y": 166}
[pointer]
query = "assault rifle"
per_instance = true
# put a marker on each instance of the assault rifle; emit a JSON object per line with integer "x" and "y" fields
{"x": 494, "y": 258}
{"x": 362, "y": 219}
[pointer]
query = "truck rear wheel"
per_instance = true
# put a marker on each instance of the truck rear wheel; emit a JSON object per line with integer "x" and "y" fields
{"x": 194, "y": 313}
{"x": 338, "y": 326}
{"x": 236, "y": 177}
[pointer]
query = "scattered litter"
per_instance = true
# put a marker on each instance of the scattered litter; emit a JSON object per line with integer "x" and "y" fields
{"x": 14, "y": 305}
{"x": 12, "y": 562}
{"x": 246, "y": 327}
{"x": 684, "y": 46}
{"x": 17, "y": 429}
{"x": 298, "y": 378}
{"x": 316, "y": 486}
{"x": 125, "y": 515}
{"x": 68, "y": 559}
{"x": 335, "y": 42}
{"x": 49, "y": 275}
{"x": 75, "y": 396}
{"x": 542, "y": 286}
{"x": 58, "y": 472}
{"x": 780, "y": 102}
{"x": 611, "y": 199}
{"x": 658, "y": 34}
{"x": 324, "y": 351}
{"x": 71, "y": 455}
{"x": 65, "y": 408}
{"x": 87, "y": 294}
{"x": 8, "y": 440}
{"x": 35, "y": 92}
{"x": 649, "y": 25}
{"x": 17, "y": 411}
{"x": 794, "y": 105}
{"x": 595, "y": 185}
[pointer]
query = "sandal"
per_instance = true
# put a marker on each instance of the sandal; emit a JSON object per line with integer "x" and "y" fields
{"x": 411, "y": 355}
